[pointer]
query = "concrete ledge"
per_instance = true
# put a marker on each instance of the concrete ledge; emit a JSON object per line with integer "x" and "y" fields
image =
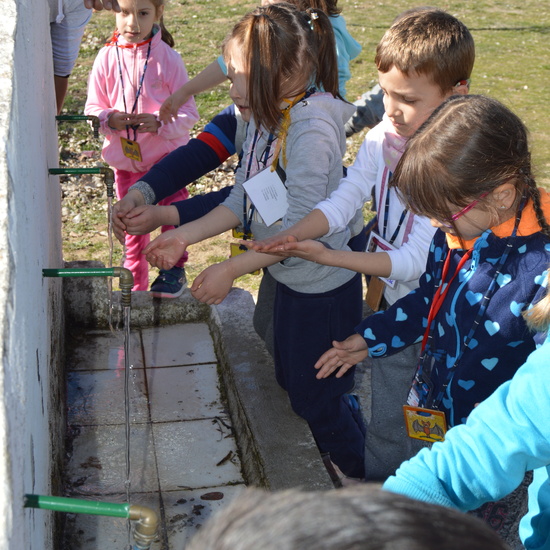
{"x": 277, "y": 448}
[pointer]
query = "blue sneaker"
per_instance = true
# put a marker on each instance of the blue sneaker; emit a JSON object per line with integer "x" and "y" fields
{"x": 169, "y": 284}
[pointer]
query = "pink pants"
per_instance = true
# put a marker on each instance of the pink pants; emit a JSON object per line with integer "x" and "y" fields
{"x": 134, "y": 244}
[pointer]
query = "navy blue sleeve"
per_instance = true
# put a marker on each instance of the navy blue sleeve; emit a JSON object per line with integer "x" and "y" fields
{"x": 214, "y": 145}
{"x": 196, "y": 207}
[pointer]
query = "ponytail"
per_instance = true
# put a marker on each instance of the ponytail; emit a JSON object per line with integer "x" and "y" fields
{"x": 165, "y": 34}
{"x": 538, "y": 317}
{"x": 326, "y": 76}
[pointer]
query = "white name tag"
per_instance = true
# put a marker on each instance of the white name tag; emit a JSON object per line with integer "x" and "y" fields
{"x": 268, "y": 195}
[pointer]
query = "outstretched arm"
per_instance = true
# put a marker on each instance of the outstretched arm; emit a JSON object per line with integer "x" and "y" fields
{"x": 213, "y": 284}
{"x": 487, "y": 457}
{"x": 370, "y": 263}
{"x": 168, "y": 248}
{"x": 342, "y": 356}
{"x": 209, "y": 77}
{"x": 312, "y": 226}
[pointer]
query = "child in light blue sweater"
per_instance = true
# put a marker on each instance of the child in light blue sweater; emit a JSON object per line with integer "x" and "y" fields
{"x": 486, "y": 458}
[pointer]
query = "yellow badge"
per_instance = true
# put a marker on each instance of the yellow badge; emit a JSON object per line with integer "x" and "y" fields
{"x": 239, "y": 233}
{"x": 237, "y": 249}
{"x": 131, "y": 149}
{"x": 425, "y": 424}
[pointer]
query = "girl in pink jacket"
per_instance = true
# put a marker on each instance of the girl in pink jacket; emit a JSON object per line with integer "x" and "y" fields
{"x": 132, "y": 76}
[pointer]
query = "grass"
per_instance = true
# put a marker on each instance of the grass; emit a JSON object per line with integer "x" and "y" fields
{"x": 512, "y": 65}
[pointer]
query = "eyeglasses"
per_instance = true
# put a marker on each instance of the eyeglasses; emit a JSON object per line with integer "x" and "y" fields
{"x": 466, "y": 209}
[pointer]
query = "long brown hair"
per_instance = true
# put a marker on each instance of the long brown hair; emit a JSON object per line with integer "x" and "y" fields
{"x": 285, "y": 50}
{"x": 165, "y": 35}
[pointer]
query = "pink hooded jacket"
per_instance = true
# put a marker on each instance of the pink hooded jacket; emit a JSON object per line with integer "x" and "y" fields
{"x": 164, "y": 75}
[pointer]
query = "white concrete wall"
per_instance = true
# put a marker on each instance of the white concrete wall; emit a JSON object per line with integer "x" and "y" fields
{"x": 30, "y": 239}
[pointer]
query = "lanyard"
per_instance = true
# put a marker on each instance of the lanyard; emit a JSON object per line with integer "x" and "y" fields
{"x": 263, "y": 160}
{"x": 386, "y": 216}
{"x": 386, "y": 189}
{"x": 138, "y": 91}
{"x": 440, "y": 294}
{"x": 440, "y": 297}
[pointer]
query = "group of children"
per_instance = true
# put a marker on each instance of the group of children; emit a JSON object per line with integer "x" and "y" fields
{"x": 459, "y": 254}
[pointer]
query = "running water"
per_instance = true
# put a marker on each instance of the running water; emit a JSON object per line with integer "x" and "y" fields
{"x": 126, "y": 314}
{"x": 109, "y": 279}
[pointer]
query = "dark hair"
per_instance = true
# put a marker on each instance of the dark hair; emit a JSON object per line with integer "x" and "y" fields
{"x": 428, "y": 41}
{"x": 358, "y": 518}
{"x": 165, "y": 35}
{"x": 328, "y": 6}
{"x": 285, "y": 51}
{"x": 470, "y": 145}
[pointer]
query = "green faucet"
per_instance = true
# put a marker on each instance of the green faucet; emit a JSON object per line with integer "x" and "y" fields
{"x": 145, "y": 530}
{"x": 69, "y": 118}
{"x": 125, "y": 276}
{"x": 107, "y": 173}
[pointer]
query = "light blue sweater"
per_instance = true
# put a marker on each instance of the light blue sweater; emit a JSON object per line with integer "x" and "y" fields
{"x": 485, "y": 459}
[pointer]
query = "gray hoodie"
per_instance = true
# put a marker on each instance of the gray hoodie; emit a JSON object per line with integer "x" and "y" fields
{"x": 315, "y": 145}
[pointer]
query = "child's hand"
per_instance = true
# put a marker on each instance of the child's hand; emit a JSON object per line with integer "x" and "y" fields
{"x": 131, "y": 200}
{"x": 99, "y": 5}
{"x": 119, "y": 120}
{"x": 273, "y": 245}
{"x": 147, "y": 123}
{"x": 170, "y": 107}
{"x": 166, "y": 249}
{"x": 311, "y": 250}
{"x": 343, "y": 356}
{"x": 144, "y": 219}
{"x": 213, "y": 284}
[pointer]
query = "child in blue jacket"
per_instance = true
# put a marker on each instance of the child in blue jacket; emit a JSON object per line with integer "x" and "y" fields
{"x": 468, "y": 170}
{"x": 486, "y": 458}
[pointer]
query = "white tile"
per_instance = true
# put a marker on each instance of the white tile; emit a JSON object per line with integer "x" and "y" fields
{"x": 184, "y": 393}
{"x": 102, "y": 350}
{"x": 98, "y": 397}
{"x": 186, "y": 511}
{"x": 188, "y": 454}
{"x": 97, "y": 465}
{"x": 184, "y": 344}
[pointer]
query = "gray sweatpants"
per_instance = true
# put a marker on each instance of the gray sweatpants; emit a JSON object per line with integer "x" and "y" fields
{"x": 387, "y": 444}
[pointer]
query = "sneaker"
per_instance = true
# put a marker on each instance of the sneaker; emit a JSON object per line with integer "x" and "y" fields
{"x": 169, "y": 284}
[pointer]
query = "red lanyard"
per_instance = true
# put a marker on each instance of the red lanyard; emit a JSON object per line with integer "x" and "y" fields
{"x": 439, "y": 296}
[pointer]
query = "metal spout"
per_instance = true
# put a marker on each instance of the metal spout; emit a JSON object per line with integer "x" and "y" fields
{"x": 146, "y": 526}
{"x": 107, "y": 173}
{"x": 126, "y": 279}
{"x": 126, "y": 282}
{"x": 92, "y": 118}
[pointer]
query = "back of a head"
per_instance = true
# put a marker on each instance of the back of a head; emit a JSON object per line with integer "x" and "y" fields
{"x": 428, "y": 41}
{"x": 330, "y": 7}
{"x": 359, "y": 518}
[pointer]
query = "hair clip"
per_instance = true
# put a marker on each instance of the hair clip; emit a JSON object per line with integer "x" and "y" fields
{"x": 312, "y": 17}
